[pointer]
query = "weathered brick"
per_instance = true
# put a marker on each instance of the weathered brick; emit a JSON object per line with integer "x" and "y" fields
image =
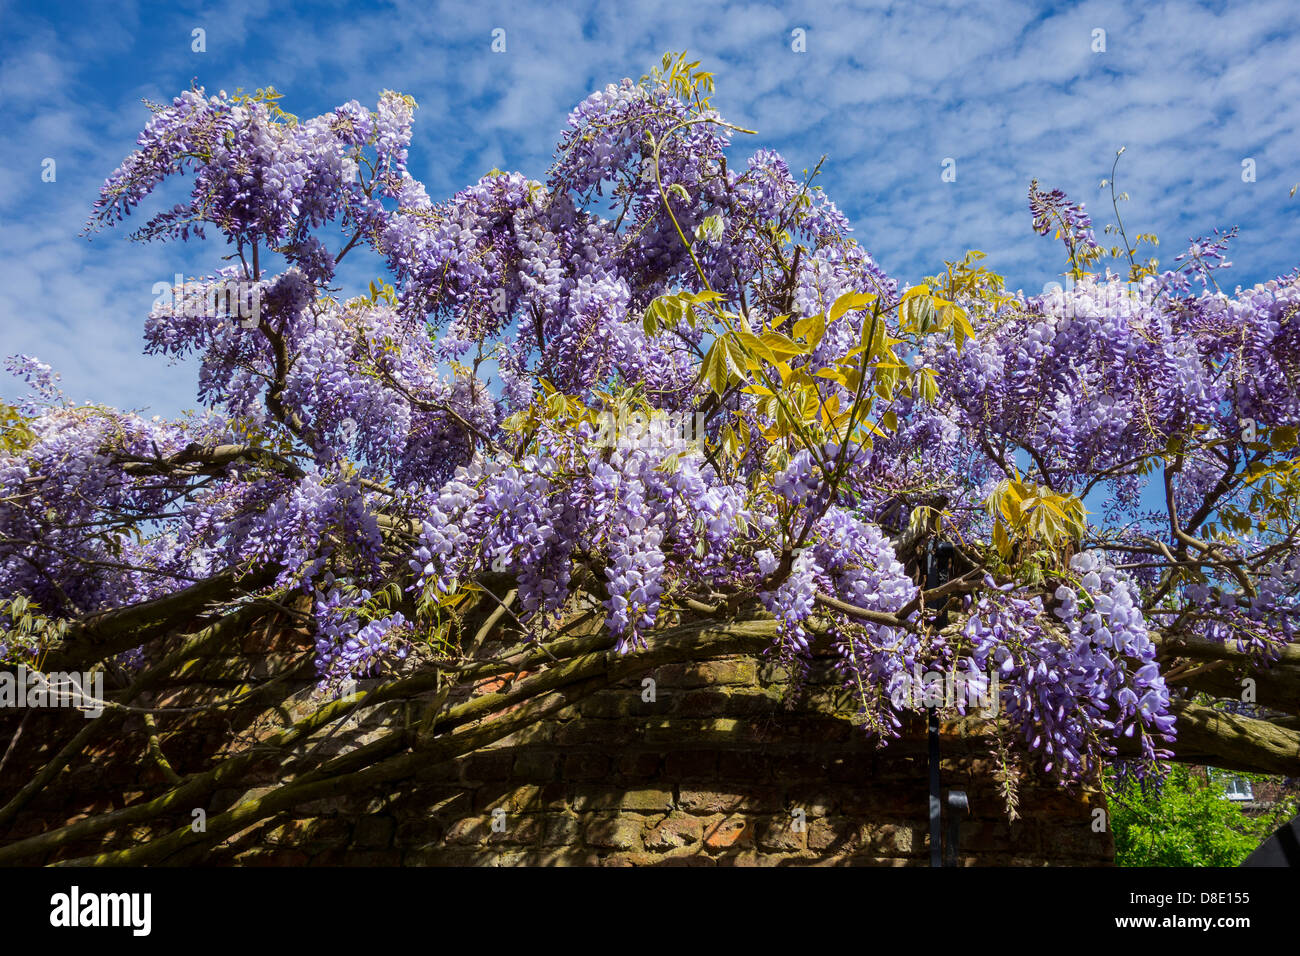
{"x": 614, "y": 832}
{"x": 536, "y": 765}
{"x": 740, "y": 857}
{"x": 996, "y": 836}
{"x": 559, "y": 829}
{"x": 441, "y": 802}
{"x": 629, "y": 859}
{"x": 685, "y": 859}
{"x": 374, "y": 832}
{"x": 516, "y": 828}
{"x": 734, "y": 831}
{"x": 839, "y": 834}
{"x": 1078, "y": 841}
{"x": 889, "y": 839}
{"x": 640, "y": 765}
{"x": 781, "y": 833}
{"x": 448, "y": 856}
{"x": 735, "y": 670}
{"x": 744, "y": 765}
{"x": 593, "y": 732}
{"x": 643, "y": 799}
{"x": 691, "y": 764}
{"x": 290, "y": 832}
{"x": 752, "y": 799}
{"x": 586, "y": 766}
{"x": 702, "y": 703}
{"x": 613, "y": 703}
{"x": 890, "y": 801}
{"x": 568, "y": 856}
{"x": 488, "y": 765}
{"x": 522, "y": 798}
{"x": 673, "y": 832}
{"x": 814, "y": 801}
{"x": 471, "y": 830}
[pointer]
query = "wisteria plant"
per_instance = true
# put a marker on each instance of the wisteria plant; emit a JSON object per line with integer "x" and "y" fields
{"x": 797, "y": 435}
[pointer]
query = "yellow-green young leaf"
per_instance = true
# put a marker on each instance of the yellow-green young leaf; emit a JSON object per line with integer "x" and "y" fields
{"x": 1283, "y": 437}
{"x": 830, "y": 410}
{"x": 1000, "y": 539}
{"x": 735, "y": 357}
{"x": 811, "y": 329}
{"x": 756, "y": 345}
{"x": 710, "y": 229}
{"x": 781, "y": 344}
{"x": 962, "y": 327}
{"x": 671, "y": 465}
{"x": 556, "y": 405}
{"x": 810, "y": 401}
{"x": 15, "y": 435}
{"x": 890, "y": 420}
{"x": 945, "y": 313}
{"x": 708, "y": 295}
{"x": 1008, "y": 505}
{"x": 453, "y": 600}
{"x": 869, "y": 332}
{"x": 680, "y": 190}
{"x": 849, "y": 301}
{"x": 918, "y": 313}
{"x": 714, "y": 369}
{"x": 1052, "y": 504}
{"x": 835, "y": 375}
{"x": 929, "y": 390}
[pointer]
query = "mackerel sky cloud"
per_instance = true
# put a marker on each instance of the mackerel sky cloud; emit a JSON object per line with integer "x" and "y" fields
{"x": 1007, "y": 91}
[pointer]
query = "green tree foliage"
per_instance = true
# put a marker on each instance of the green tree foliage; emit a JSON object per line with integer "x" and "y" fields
{"x": 1187, "y": 822}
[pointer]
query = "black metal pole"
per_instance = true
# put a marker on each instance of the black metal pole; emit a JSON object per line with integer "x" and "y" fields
{"x": 938, "y": 569}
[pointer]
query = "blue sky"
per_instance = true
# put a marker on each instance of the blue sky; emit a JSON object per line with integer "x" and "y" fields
{"x": 1010, "y": 91}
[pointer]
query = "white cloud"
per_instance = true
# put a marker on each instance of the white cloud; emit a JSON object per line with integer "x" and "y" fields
{"x": 1010, "y": 90}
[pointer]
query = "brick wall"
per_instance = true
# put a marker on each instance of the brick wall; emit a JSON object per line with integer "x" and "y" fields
{"x": 724, "y": 766}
